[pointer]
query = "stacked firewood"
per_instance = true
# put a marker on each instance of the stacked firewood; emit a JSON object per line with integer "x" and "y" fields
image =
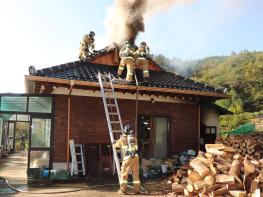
{"x": 251, "y": 144}
{"x": 221, "y": 171}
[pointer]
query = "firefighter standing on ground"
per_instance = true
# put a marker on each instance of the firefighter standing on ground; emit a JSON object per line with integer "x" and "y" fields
{"x": 126, "y": 55}
{"x": 129, "y": 148}
{"x": 87, "y": 45}
{"x": 142, "y": 53}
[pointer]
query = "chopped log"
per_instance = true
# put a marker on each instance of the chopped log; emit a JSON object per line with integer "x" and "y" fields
{"x": 209, "y": 180}
{"x": 194, "y": 177}
{"x": 181, "y": 173}
{"x": 223, "y": 178}
{"x": 235, "y": 170}
{"x": 216, "y": 152}
{"x": 184, "y": 180}
{"x": 238, "y": 157}
{"x": 187, "y": 193}
{"x": 260, "y": 177}
{"x": 214, "y": 170}
{"x": 189, "y": 171}
{"x": 178, "y": 188}
{"x": 205, "y": 161}
{"x": 256, "y": 193}
{"x": 202, "y": 195}
{"x": 211, "y": 188}
{"x": 190, "y": 187}
{"x": 215, "y": 175}
{"x": 254, "y": 186}
{"x": 237, "y": 193}
{"x": 223, "y": 161}
{"x": 253, "y": 161}
{"x": 248, "y": 143}
{"x": 249, "y": 167}
{"x": 214, "y": 146}
{"x": 247, "y": 182}
{"x": 220, "y": 191}
{"x": 230, "y": 149}
{"x": 208, "y": 155}
{"x": 199, "y": 167}
{"x": 235, "y": 186}
{"x": 200, "y": 184}
{"x": 222, "y": 167}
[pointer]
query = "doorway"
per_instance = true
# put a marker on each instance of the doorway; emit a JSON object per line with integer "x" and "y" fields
{"x": 21, "y": 136}
{"x": 207, "y": 136}
{"x": 153, "y": 135}
{"x": 40, "y": 142}
{"x": 17, "y": 133}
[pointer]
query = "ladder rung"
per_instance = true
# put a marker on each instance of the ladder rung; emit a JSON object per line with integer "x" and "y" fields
{"x": 78, "y": 153}
{"x": 117, "y": 131}
{"x": 111, "y": 105}
{"x": 115, "y": 122}
{"x": 108, "y": 90}
{"x": 113, "y": 113}
{"x": 78, "y": 145}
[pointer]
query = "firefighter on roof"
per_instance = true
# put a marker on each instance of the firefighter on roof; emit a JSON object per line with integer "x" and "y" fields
{"x": 129, "y": 148}
{"x": 126, "y": 55}
{"x": 142, "y": 53}
{"x": 87, "y": 45}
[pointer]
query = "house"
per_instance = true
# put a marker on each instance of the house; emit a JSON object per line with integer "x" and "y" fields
{"x": 64, "y": 102}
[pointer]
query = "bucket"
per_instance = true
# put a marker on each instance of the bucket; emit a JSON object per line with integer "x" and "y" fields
{"x": 164, "y": 168}
{"x": 45, "y": 173}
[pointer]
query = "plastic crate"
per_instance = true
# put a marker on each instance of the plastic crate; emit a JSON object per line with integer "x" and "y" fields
{"x": 34, "y": 173}
{"x": 59, "y": 175}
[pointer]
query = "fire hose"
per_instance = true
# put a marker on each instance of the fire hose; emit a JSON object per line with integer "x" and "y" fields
{"x": 8, "y": 184}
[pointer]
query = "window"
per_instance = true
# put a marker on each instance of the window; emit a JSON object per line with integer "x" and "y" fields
{"x": 39, "y": 159}
{"x": 210, "y": 130}
{"x": 40, "y": 136}
{"x": 13, "y": 103}
{"x": 40, "y": 104}
{"x": 22, "y": 117}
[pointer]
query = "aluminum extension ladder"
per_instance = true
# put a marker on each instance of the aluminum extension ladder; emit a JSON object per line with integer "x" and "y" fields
{"x": 112, "y": 114}
{"x": 77, "y": 158}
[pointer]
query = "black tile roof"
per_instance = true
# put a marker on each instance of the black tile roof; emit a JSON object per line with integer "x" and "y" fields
{"x": 86, "y": 71}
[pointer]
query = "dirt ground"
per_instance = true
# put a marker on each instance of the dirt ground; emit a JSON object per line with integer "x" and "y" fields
{"x": 14, "y": 169}
{"x": 81, "y": 189}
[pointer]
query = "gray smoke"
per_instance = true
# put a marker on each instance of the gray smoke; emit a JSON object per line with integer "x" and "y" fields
{"x": 126, "y": 17}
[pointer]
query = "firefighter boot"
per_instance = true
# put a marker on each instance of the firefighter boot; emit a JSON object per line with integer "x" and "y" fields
{"x": 121, "y": 192}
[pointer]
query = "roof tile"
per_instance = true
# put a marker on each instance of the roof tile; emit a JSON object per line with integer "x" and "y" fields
{"x": 86, "y": 71}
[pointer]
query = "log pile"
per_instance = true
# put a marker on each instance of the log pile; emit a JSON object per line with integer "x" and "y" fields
{"x": 221, "y": 171}
{"x": 251, "y": 144}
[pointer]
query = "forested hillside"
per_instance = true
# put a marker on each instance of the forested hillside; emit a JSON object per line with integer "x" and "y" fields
{"x": 241, "y": 73}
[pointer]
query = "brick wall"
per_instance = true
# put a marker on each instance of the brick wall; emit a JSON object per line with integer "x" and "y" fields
{"x": 88, "y": 122}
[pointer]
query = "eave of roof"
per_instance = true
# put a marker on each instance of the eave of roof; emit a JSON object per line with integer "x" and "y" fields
{"x": 221, "y": 110}
{"x": 123, "y": 87}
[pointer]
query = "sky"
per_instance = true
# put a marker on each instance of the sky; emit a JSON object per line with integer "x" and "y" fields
{"x": 46, "y": 33}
